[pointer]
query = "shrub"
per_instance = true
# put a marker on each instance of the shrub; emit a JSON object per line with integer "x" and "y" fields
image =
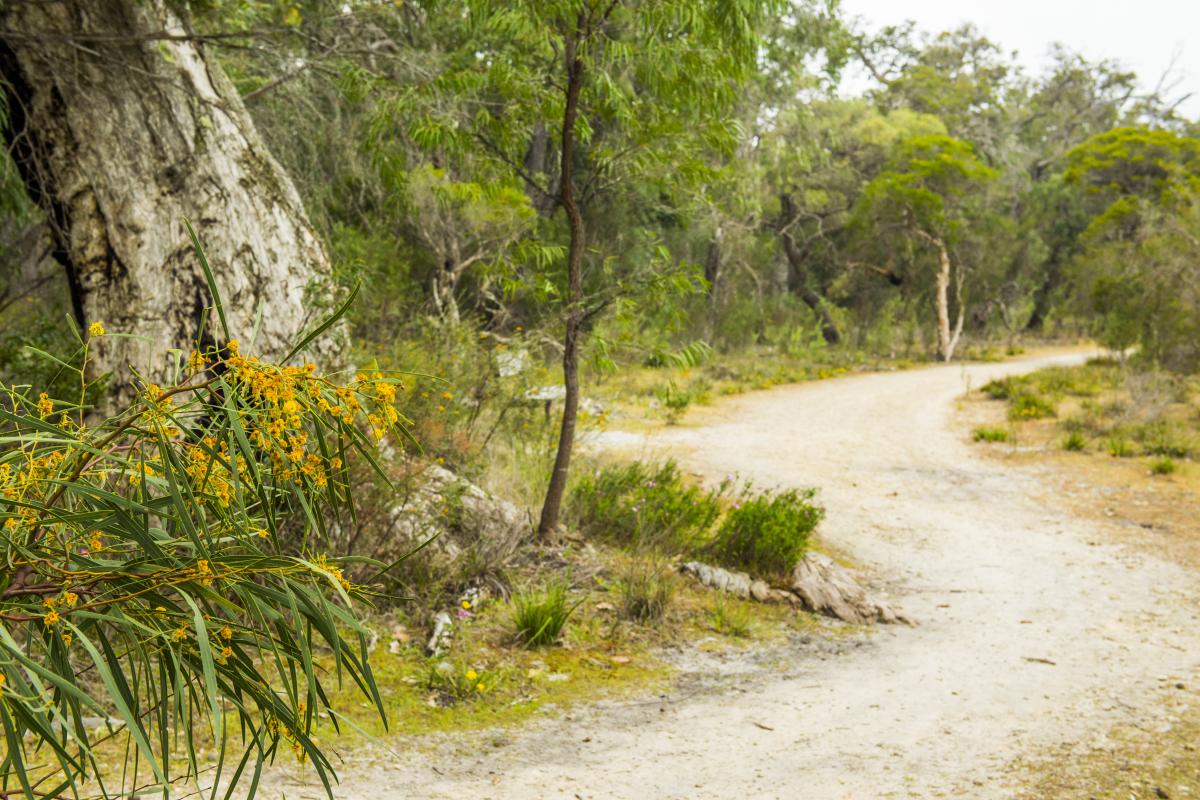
{"x": 1162, "y": 466}
{"x": 166, "y": 568}
{"x": 1163, "y": 438}
{"x": 1119, "y": 447}
{"x": 1074, "y": 442}
{"x": 989, "y": 434}
{"x": 646, "y": 593}
{"x": 1001, "y": 388}
{"x": 1026, "y": 405}
{"x": 644, "y": 506}
{"x": 541, "y": 615}
{"x": 767, "y": 533}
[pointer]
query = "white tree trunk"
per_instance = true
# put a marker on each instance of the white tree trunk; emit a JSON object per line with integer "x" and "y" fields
{"x": 947, "y": 340}
{"x": 123, "y": 126}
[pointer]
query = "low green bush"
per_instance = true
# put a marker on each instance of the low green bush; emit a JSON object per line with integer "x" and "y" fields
{"x": 767, "y": 534}
{"x": 1119, "y": 447}
{"x": 1164, "y": 438}
{"x": 990, "y": 434}
{"x": 540, "y": 615}
{"x": 1027, "y": 405}
{"x": 1001, "y": 388}
{"x": 646, "y": 593}
{"x": 730, "y": 619}
{"x": 1162, "y": 466}
{"x": 643, "y": 505}
{"x": 1074, "y": 442}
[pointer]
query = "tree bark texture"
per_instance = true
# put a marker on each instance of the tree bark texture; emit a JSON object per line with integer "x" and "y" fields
{"x": 123, "y": 127}
{"x": 552, "y": 505}
{"x": 799, "y": 281}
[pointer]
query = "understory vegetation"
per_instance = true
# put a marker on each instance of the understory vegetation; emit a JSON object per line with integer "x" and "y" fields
{"x": 1106, "y": 407}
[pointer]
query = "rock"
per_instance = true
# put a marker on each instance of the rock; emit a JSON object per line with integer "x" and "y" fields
{"x": 760, "y": 591}
{"x": 454, "y": 516}
{"x": 735, "y": 583}
{"x": 824, "y": 587}
{"x": 439, "y": 640}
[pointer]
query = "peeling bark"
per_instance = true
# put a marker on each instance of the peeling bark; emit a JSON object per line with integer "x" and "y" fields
{"x": 122, "y": 127}
{"x": 947, "y": 339}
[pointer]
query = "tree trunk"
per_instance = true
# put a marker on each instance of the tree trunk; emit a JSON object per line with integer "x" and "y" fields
{"x": 574, "y": 310}
{"x": 122, "y": 127}
{"x": 947, "y": 339}
{"x": 799, "y": 271}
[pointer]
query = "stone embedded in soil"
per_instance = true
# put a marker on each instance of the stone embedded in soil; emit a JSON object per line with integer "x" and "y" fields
{"x": 818, "y": 584}
{"x": 825, "y": 587}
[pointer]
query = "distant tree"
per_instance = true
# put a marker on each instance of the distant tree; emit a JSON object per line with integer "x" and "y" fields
{"x": 925, "y": 204}
{"x": 1137, "y": 264}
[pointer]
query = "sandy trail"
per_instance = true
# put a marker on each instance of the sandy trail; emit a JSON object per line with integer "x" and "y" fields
{"x": 997, "y": 579}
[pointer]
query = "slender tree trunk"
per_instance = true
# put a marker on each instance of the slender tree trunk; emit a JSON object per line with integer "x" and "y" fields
{"x": 712, "y": 275}
{"x": 574, "y": 310}
{"x": 799, "y": 270}
{"x": 122, "y": 127}
{"x": 947, "y": 339}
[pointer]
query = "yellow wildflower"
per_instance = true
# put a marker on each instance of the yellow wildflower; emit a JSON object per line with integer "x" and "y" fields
{"x": 226, "y": 632}
{"x": 481, "y": 688}
{"x": 2, "y": 680}
{"x": 232, "y": 345}
{"x": 51, "y": 619}
{"x": 472, "y": 675}
{"x": 226, "y": 652}
{"x": 96, "y": 329}
{"x": 70, "y": 598}
{"x": 67, "y": 639}
{"x": 180, "y": 634}
{"x": 466, "y": 604}
{"x": 96, "y": 542}
{"x": 44, "y": 405}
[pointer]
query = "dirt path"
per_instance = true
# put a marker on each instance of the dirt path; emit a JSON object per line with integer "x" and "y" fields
{"x": 1000, "y": 582}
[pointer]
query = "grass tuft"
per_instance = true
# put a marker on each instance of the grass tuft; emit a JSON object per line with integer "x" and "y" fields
{"x": 540, "y": 615}
{"x": 991, "y": 434}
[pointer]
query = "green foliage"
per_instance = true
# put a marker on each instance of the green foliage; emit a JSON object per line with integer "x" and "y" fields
{"x": 454, "y": 682}
{"x": 991, "y": 434}
{"x": 1027, "y": 405}
{"x": 730, "y": 618}
{"x": 1074, "y": 442}
{"x": 539, "y": 615}
{"x": 1163, "y": 466}
{"x": 646, "y": 592}
{"x": 1118, "y": 446}
{"x": 644, "y": 506}
{"x": 767, "y": 534}
{"x": 690, "y": 355}
{"x": 168, "y": 569}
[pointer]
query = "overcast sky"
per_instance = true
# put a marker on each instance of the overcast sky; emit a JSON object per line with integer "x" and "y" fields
{"x": 1143, "y": 36}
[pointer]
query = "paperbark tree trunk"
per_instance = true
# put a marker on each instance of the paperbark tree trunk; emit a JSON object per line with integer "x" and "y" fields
{"x": 946, "y": 338}
{"x": 122, "y": 127}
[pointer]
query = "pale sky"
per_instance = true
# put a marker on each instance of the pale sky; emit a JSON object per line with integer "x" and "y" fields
{"x": 1143, "y": 35}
